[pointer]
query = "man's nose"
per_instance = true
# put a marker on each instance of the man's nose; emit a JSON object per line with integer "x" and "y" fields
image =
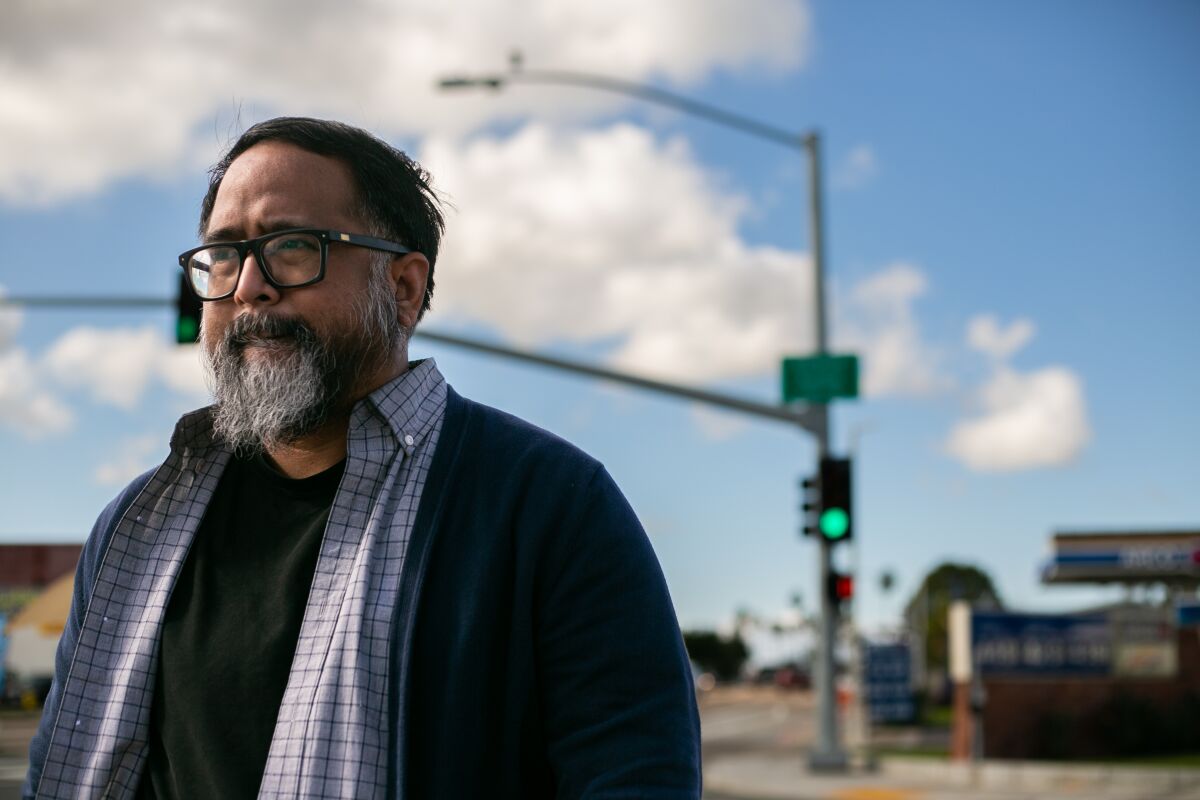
{"x": 253, "y": 288}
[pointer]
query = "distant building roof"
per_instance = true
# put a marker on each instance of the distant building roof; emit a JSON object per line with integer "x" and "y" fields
{"x": 1124, "y": 557}
{"x": 31, "y": 566}
{"x": 47, "y": 612}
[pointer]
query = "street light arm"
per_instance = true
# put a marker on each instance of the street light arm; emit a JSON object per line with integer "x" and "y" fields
{"x": 805, "y": 417}
{"x": 649, "y": 93}
{"x": 464, "y": 82}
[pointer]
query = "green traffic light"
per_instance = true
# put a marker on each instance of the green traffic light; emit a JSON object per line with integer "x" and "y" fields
{"x": 186, "y": 329}
{"x": 835, "y": 523}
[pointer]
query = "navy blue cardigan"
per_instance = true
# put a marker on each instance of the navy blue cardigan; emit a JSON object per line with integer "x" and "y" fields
{"x": 541, "y": 656}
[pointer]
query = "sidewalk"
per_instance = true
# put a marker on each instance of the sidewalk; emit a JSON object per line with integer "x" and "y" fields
{"x": 12, "y": 775}
{"x": 778, "y": 777}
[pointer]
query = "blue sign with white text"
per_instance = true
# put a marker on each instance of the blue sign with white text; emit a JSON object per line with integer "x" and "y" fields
{"x": 887, "y": 682}
{"x": 1041, "y": 644}
{"x": 1187, "y": 614}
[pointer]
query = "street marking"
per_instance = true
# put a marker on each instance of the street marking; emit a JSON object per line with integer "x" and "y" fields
{"x": 875, "y": 793}
{"x": 735, "y": 724}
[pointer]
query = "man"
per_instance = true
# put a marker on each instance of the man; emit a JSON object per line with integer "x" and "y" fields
{"x": 346, "y": 580}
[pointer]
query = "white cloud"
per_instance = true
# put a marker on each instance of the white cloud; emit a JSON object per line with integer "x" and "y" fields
{"x": 877, "y": 320}
{"x": 26, "y": 406}
{"x": 133, "y": 457}
{"x": 1029, "y": 420}
{"x": 115, "y": 365}
{"x": 985, "y": 334}
{"x": 858, "y": 168}
{"x": 1026, "y": 420}
{"x": 94, "y": 92}
{"x": 609, "y": 234}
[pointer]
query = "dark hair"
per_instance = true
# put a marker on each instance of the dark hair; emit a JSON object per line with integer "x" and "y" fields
{"x": 397, "y": 200}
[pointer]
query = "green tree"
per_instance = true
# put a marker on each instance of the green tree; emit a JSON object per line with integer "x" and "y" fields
{"x": 926, "y": 611}
{"x": 712, "y": 653}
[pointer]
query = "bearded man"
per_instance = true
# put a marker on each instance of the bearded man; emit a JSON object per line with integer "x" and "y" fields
{"x": 346, "y": 580}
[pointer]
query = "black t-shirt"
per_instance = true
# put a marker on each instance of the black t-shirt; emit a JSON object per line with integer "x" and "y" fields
{"x": 230, "y": 632}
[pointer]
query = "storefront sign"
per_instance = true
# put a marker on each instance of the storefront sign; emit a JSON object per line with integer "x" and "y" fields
{"x": 887, "y": 682}
{"x": 1124, "y": 557}
{"x": 1145, "y": 644}
{"x": 1040, "y": 644}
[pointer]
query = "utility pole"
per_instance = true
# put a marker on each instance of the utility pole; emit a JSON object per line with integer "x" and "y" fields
{"x": 828, "y": 755}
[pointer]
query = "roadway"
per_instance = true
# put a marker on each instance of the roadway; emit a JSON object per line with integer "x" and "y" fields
{"x": 755, "y": 744}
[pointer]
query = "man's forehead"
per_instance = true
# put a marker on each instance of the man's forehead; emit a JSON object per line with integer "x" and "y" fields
{"x": 280, "y": 181}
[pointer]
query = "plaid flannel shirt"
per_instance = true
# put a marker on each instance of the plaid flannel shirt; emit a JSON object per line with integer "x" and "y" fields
{"x": 331, "y": 732}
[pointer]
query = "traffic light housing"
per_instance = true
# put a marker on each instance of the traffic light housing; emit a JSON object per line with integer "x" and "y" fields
{"x": 835, "y": 517}
{"x": 839, "y": 586}
{"x": 810, "y": 504}
{"x": 187, "y": 313}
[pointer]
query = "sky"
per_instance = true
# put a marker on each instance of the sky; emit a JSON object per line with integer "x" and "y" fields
{"x": 1012, "y": 201}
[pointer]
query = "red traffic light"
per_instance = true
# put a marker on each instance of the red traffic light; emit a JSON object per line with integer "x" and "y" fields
{"x": 840, "y": 587}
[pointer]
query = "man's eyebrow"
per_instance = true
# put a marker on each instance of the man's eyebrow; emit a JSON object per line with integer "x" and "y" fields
{"x": 220, "y": 235}
{"x": 231, "y": 234}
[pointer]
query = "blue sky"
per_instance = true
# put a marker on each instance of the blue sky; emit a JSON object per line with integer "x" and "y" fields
{"x": 1013, "y": 228}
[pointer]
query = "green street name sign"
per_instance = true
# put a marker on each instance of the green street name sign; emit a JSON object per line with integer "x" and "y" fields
{"x": 819, "y": 379}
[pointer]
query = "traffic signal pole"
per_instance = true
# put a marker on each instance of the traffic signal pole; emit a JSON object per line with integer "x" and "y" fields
{"x": 828, "y": 754}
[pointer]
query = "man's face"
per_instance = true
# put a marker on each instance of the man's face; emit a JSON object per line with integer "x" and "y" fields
{"x": 283, "y": 360}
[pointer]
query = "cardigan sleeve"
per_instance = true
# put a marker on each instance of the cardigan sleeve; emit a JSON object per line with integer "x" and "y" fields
{"x": 619, "y": 704}
{"x": 85, "y": 576}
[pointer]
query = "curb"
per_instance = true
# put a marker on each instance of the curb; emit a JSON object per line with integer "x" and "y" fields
{"x": 1040, "y": 776}
{"x": 786, "y": 777}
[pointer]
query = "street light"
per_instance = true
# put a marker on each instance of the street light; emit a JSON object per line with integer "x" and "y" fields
{"x": 828, "y": 754}
{"x": 497, "y": 81}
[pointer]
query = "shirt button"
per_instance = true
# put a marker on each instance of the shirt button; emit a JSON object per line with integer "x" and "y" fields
{"x": 408, "y": 440}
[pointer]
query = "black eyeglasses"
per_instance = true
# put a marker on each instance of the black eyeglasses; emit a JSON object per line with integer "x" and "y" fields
{"x": 288, "y": 259}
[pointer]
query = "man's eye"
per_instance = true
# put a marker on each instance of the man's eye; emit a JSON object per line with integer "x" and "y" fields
{"x": 294, "y": 243}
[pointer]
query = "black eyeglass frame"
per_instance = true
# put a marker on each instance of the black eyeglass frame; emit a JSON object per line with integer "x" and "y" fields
{"x": 246, "y": 246}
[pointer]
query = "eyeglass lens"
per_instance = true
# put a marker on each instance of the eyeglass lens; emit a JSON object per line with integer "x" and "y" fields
{"x": 289, "y": 259}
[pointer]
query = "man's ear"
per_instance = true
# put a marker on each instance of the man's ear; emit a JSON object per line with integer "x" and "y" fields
{"x": 410, "y": 276}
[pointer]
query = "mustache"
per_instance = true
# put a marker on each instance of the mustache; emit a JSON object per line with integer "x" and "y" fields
{"x": 253, "y": 329}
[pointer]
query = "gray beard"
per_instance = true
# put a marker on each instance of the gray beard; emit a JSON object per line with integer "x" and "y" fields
{"x": 301, "y": 379}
